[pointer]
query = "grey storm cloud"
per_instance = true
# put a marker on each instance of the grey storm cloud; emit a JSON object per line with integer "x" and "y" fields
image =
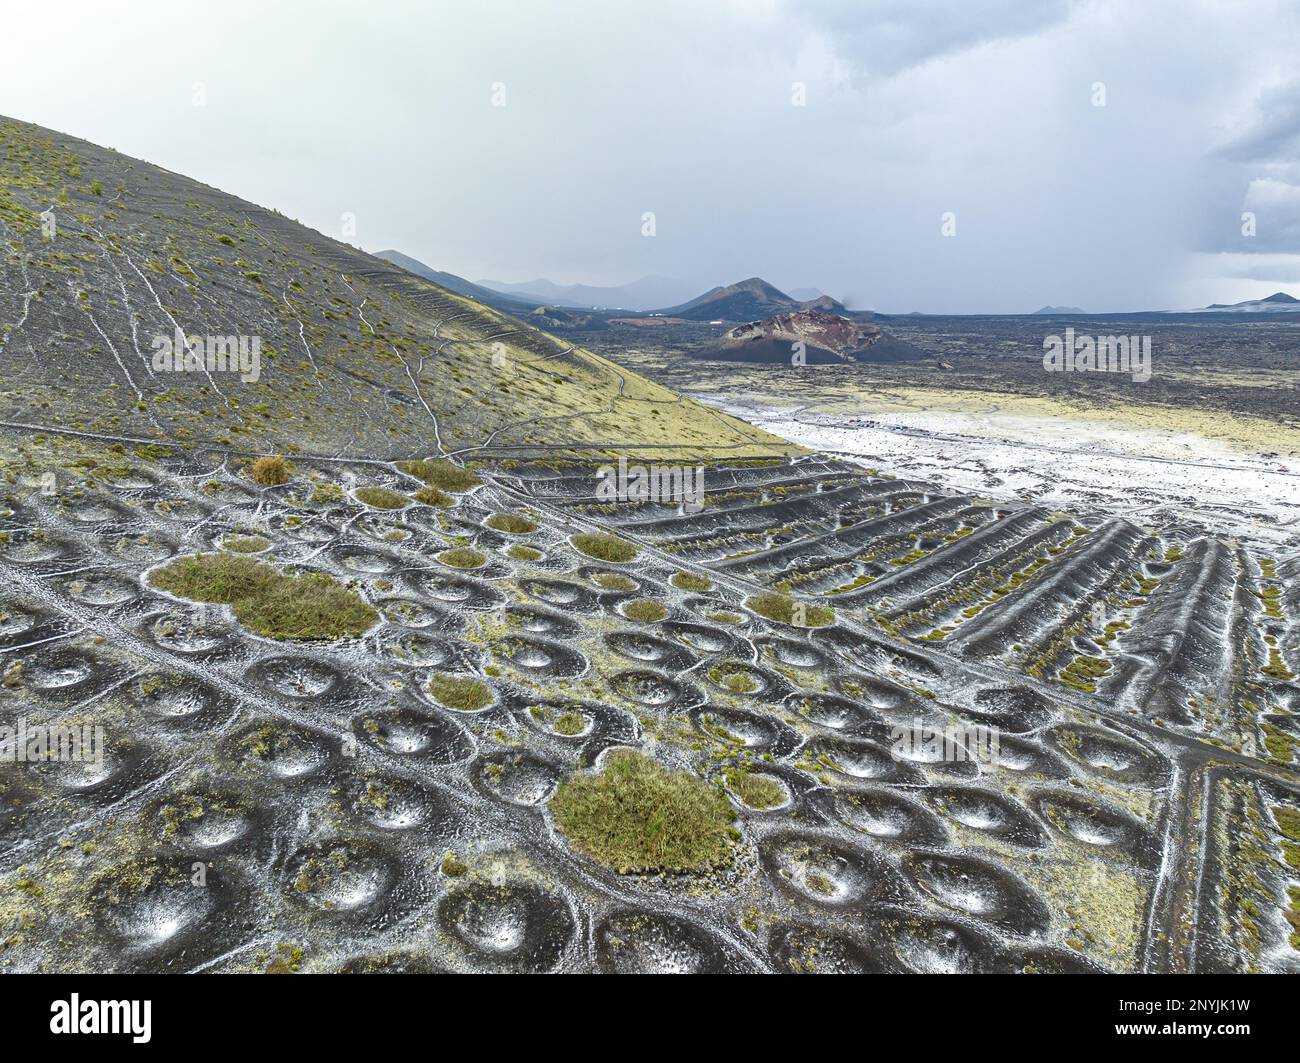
{"x": 912, "y": 111}
{"x": 1272, "y": 132}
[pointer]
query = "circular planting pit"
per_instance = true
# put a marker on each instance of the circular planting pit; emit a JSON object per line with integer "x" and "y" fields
{"x": 542, "y": 658}
{"x": 296, "y": 677}
{"x": 646, "y": 942}
{"x": 1111, "y": 756}
{"x": 405, "y": 733}
{"x": 1097, "y": 825}
{"x": 833, "y": 712}
{"x": 345, "y": 878}
{"x": 755, "y": 731}
{"x": 515, "y": 925}
{"x": 827, "y": 872}
{"x": 888, "y": 816}
{"x": 984, "y": 810}
{"x": 543, "y": 622}
{"x": 980, "y": 889}
{"x": 516, "y": 778}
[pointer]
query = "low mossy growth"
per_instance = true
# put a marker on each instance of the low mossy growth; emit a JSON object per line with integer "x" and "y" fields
{"x": 688, "y": 581}
{"x": 287, "y": 959}
{"x": 1288, "y": 821}
{"x": 725, "y": 616}
{"x": 440, "y": 473}
{"x": 452, "y": 865}
{"x": 514, "y": 523}
{"x": 308, "y": 605}
{"x": 327, "y": 495}
{"x": 733, "y": 679}
{"x": 460, "y": 692}
{"x": 568, "y": 723}
{"x": 604, "y": 547}
{"x": 462, "y": 557}
{"x": 645, "y": 610}
{"x": 757, "y": 791}
{"x": 519, "y": 552}
{"x": 270, "y": 470}
{"x": 613, "y": 581}
{"x": 381, "y": 498}
{"x": 245, "y": 544}
{"x": 428, "y": 495}
{"x": 786, "y": 610}
{"x": 636, "y": 815}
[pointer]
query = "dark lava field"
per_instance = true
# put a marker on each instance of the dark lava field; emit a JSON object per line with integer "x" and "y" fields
{"x": 402, "y": 797}
{"x": 1135, "y": 816}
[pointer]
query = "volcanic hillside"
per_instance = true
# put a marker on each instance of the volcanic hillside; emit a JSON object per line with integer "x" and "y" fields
{"x": 747, "y": 300}
{"x": 358, "y": 356}
{"x": 826, "y": 338}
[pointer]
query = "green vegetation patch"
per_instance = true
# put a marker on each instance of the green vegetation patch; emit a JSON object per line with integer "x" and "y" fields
{"x": 381, "y": 498}
{"x": 524, "y": 553}
{"x": 688, "y": 581}
{"x": 462, "y": 557}
{"x": 327, "y": 495}
{"x": 613, "y": 581}
{"x": 441, "y": 473}
{"x": 460, "y": 692}
{"x": 428, "y": 495}
{"x": 269, "y": 602}
{"x": 270, "y": 470}
{"x": 605, "y": 547}
{"x": 757, "y": 791}
{"x": 1288, "y": 821}
{"x": 515, "y": 523}
{"x": 786, "y": 610}
{"x": 645, "y": 610}
{"x": 636, "y": 815}
{"x": 245, "y": 544}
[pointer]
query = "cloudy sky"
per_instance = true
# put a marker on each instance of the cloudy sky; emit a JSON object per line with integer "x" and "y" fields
{"x": 1093, "y": 154}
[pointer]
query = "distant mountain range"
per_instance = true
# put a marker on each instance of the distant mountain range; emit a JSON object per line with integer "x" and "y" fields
{"x": 747, "y": 300}
{"x": 1277, "y": 303}
{"x": 1060, "y": 310}
{"x": 459, "y": 285}
{"x": 644, "y": 294}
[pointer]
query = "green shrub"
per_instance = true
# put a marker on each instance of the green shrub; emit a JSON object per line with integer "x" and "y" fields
{"x": 515, "y": 523}
{"x": 688, "y": 581}
{"x": 636, "y": 815}
{"x": 381, "y": 498}
{"x": 461, "y": 692}
{"x": 757, "y": 791}
{"x": 267, "y": 601}
{"x": 440, "y": 473}
{"x": 428, "y": 495}
{"x": 786, "y": 610}
{"x": 605, "y": 547}
{"x": 645, "y": 610}
{"x": 270, "y": 470}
